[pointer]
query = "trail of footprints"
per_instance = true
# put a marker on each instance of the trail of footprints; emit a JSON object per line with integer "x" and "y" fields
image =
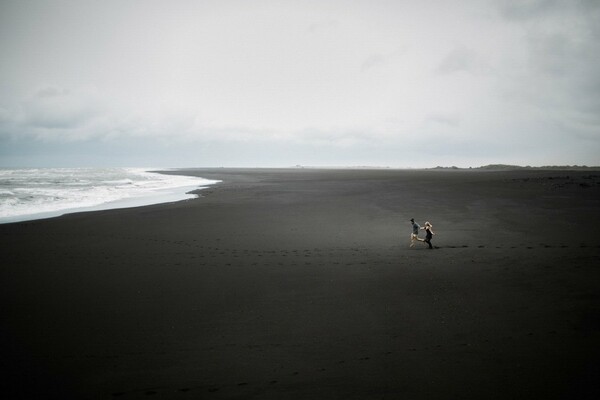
{"x": 214, "y": 251}
{"x": 201, "y": 255}
{"x": 215, "y": 255}
{"x": 529, "y": 247}
{"x": 206, "y": 255}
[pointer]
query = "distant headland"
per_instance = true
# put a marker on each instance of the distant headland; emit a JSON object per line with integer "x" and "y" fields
{"x": 513, "y": 167}
{"x": 489, "y": 167}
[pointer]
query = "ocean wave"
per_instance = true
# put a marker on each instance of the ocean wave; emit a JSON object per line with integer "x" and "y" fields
{"x": 41, "y": 193}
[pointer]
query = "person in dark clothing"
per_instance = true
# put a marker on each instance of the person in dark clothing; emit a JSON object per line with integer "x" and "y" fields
{"x": 428, "y": 233}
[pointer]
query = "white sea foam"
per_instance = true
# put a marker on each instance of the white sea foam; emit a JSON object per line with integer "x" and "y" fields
{"x": 27, "y": 194}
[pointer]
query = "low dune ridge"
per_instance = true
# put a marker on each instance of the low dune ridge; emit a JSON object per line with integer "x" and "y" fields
{"x": 300, "y": 284}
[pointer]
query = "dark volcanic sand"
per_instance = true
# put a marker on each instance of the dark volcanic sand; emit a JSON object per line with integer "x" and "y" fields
{"x": 299, "y": 284}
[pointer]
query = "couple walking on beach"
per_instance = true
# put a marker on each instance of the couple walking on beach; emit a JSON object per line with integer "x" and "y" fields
{"x": 414, "y": 236}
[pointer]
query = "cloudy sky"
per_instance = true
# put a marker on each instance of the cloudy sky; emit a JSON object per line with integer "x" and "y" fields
{"x": 279, "y": 83}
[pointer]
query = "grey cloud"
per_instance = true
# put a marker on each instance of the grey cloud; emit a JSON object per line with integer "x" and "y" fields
{"x": 372, "y": 61}
{"x": 523, "y": 10}
{"x": 458, "y": 60}
{"x": 54, "y": 113}
{"x": 554, "y": 54}
{"x": 54, "y": 108}
{"x": 335, "y": 137}
{"x": 5, "y": 115}
{"x": 444, "y": 119}
{"x": 323, "y": 25}
{"x": 560, "y": 81}
{"x": 564, "y": 51}
{"x": 519, "y": 10}
{"x": 51, "y": 91}
{"x": 375, "y": 60}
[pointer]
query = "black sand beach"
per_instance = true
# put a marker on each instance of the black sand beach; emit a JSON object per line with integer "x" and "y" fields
{"x": 300, "y": 284}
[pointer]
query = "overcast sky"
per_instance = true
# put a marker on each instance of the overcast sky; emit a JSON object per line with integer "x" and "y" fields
{"x": 280, "y": 83}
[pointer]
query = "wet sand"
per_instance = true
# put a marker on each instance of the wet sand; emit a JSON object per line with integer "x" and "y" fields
{"x": 300, "y": 284}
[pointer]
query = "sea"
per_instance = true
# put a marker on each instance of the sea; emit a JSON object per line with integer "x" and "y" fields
{"x": 37, "y": 193}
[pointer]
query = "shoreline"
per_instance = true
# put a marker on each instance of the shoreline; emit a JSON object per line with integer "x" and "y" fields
{"x": 157, "y": 196}
{"x": 285, "y": 283}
